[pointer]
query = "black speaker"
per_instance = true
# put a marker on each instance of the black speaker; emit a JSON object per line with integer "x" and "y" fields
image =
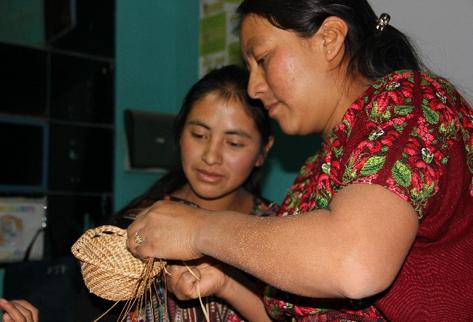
{"x": 150, "y": 140}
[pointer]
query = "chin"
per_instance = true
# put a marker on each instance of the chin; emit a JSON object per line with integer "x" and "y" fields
{"x": 209, "y": 195}
{"x": 293, "y": 129}
{"x": 287, "y": 129}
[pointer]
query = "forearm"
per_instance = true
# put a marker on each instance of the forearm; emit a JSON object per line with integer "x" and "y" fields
{"x": 276, "y": 250}
{"x": 355, "y": 249}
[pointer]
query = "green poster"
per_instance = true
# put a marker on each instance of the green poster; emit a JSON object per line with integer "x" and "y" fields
{"x": 212, "y": 34}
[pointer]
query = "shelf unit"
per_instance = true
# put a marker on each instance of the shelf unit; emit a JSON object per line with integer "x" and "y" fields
{"x": 57, "y": 113}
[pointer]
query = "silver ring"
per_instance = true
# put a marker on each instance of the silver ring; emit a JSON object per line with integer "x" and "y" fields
{"x": 138, "y": 239}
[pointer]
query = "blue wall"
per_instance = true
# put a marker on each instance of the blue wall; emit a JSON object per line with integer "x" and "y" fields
{"x": 156, "y": 61}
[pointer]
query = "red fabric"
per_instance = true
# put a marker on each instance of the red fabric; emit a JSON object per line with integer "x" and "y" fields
{"x": 413, "y": 134}
{"x": 436, "y": 281}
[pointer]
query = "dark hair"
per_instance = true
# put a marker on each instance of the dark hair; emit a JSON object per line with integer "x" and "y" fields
{"x": 370, "y": 52}
{"x": 230, "y": 82}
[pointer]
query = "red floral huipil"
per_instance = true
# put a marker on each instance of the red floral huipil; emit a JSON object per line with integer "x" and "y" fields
{"x": 410, "y": 132}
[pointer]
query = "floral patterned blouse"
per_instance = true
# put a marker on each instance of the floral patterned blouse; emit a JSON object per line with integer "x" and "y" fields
{"x": 410, "y": 132}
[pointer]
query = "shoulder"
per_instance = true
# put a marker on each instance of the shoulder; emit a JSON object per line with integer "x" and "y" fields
{"x": 405, "y": 95}
{"x": 411, "y": 121}
{"x": 407, "y": 82}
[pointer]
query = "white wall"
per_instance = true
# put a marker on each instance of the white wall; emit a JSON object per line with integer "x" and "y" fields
{"x": 442, "y": 31}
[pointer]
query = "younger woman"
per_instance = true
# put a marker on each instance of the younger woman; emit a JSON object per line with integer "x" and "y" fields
{"x": 224, "y": 137}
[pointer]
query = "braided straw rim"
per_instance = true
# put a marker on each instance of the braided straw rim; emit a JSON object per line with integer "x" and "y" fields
{"x": 108, "y": 268}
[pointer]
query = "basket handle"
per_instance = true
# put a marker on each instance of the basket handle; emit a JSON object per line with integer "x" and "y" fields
{"x": 105, "y": 230}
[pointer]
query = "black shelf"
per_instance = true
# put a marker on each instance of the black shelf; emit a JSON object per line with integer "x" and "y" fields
{"x": 57, "y": 122}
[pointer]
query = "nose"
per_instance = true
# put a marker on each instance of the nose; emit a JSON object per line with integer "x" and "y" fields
{"x": 256, "y": 85}
{"x": 212, "y": 153}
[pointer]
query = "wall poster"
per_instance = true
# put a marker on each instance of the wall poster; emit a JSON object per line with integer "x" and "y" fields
{"x": 219, "y": 43}
{"x": 21, "y": 220}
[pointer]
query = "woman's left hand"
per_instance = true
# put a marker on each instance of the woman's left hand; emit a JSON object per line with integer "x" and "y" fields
{"x": 207, "y": 276}
{"x": 188, "y": 280}
{"x": 166, "y": 230}
{"x": 18, "y": 311}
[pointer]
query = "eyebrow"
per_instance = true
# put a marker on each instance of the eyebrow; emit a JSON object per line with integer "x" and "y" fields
{"x": 199, "y": 123}
{"x": 230, "y": 132}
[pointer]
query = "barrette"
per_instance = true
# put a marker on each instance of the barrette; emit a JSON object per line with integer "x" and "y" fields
{"x": 382, "y": 21}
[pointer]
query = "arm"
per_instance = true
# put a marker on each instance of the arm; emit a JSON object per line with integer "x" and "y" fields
{"x": 18, "y": 311}
{"x": 355, "y": 249}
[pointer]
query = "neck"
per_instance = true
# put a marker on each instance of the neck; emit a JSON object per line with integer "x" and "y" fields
{"x": 351, "y": 88}
{"x": 239, "y": 200}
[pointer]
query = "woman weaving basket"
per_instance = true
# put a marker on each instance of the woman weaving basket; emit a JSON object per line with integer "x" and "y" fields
{"x": 378, "y": 224}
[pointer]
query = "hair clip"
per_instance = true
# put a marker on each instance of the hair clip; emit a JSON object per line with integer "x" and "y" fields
{"x": 382, "y": 21}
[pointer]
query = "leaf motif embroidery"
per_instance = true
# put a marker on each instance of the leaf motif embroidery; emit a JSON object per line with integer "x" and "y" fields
{"x": 402, "y": 174}
{"x": 403, "y": 109}
{"x": 430, "y": 115}
{"x": 373, "y": 165}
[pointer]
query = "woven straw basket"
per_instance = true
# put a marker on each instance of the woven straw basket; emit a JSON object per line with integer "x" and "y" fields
{"x": 109, "y": 270}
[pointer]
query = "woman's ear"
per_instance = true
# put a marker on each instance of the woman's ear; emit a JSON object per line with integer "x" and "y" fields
{"x": 333, "y": 32}
{"x": 264, "y": 153}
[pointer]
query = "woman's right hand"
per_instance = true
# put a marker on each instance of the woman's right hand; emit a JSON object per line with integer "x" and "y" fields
{"x": 18, "y": 311}
{"x": 166, "y": 230}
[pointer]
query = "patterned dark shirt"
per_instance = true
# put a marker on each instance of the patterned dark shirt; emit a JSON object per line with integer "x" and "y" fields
{"x": 190, "y": 311}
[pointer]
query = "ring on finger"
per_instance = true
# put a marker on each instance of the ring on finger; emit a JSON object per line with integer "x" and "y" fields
{"x": 138, "y": 239}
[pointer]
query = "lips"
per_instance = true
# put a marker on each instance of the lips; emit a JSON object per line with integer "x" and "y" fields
{"x": 208, "y": 176}
{"x": 271, "y": 108}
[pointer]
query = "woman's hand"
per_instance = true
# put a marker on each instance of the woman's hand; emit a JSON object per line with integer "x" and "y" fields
{"x": 18, "y": 311}
{"x": 207, "y": 276}
{"x": 188, "y": 280}
{"x": 166, "y": 230}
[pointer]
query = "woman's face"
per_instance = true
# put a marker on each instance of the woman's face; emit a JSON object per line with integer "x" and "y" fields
{"x": 290, "y": 75}
{"x": 220, "y": 146}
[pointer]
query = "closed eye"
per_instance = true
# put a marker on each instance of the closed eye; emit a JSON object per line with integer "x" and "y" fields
{"x": 261, "y": 61}
{"x": 198, "y": 135}
{"x": 236, "y": 144}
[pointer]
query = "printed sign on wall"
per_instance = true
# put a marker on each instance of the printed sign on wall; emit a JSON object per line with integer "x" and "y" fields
{"x": 21, "y": 219}
{"x": 219, "y": 43}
